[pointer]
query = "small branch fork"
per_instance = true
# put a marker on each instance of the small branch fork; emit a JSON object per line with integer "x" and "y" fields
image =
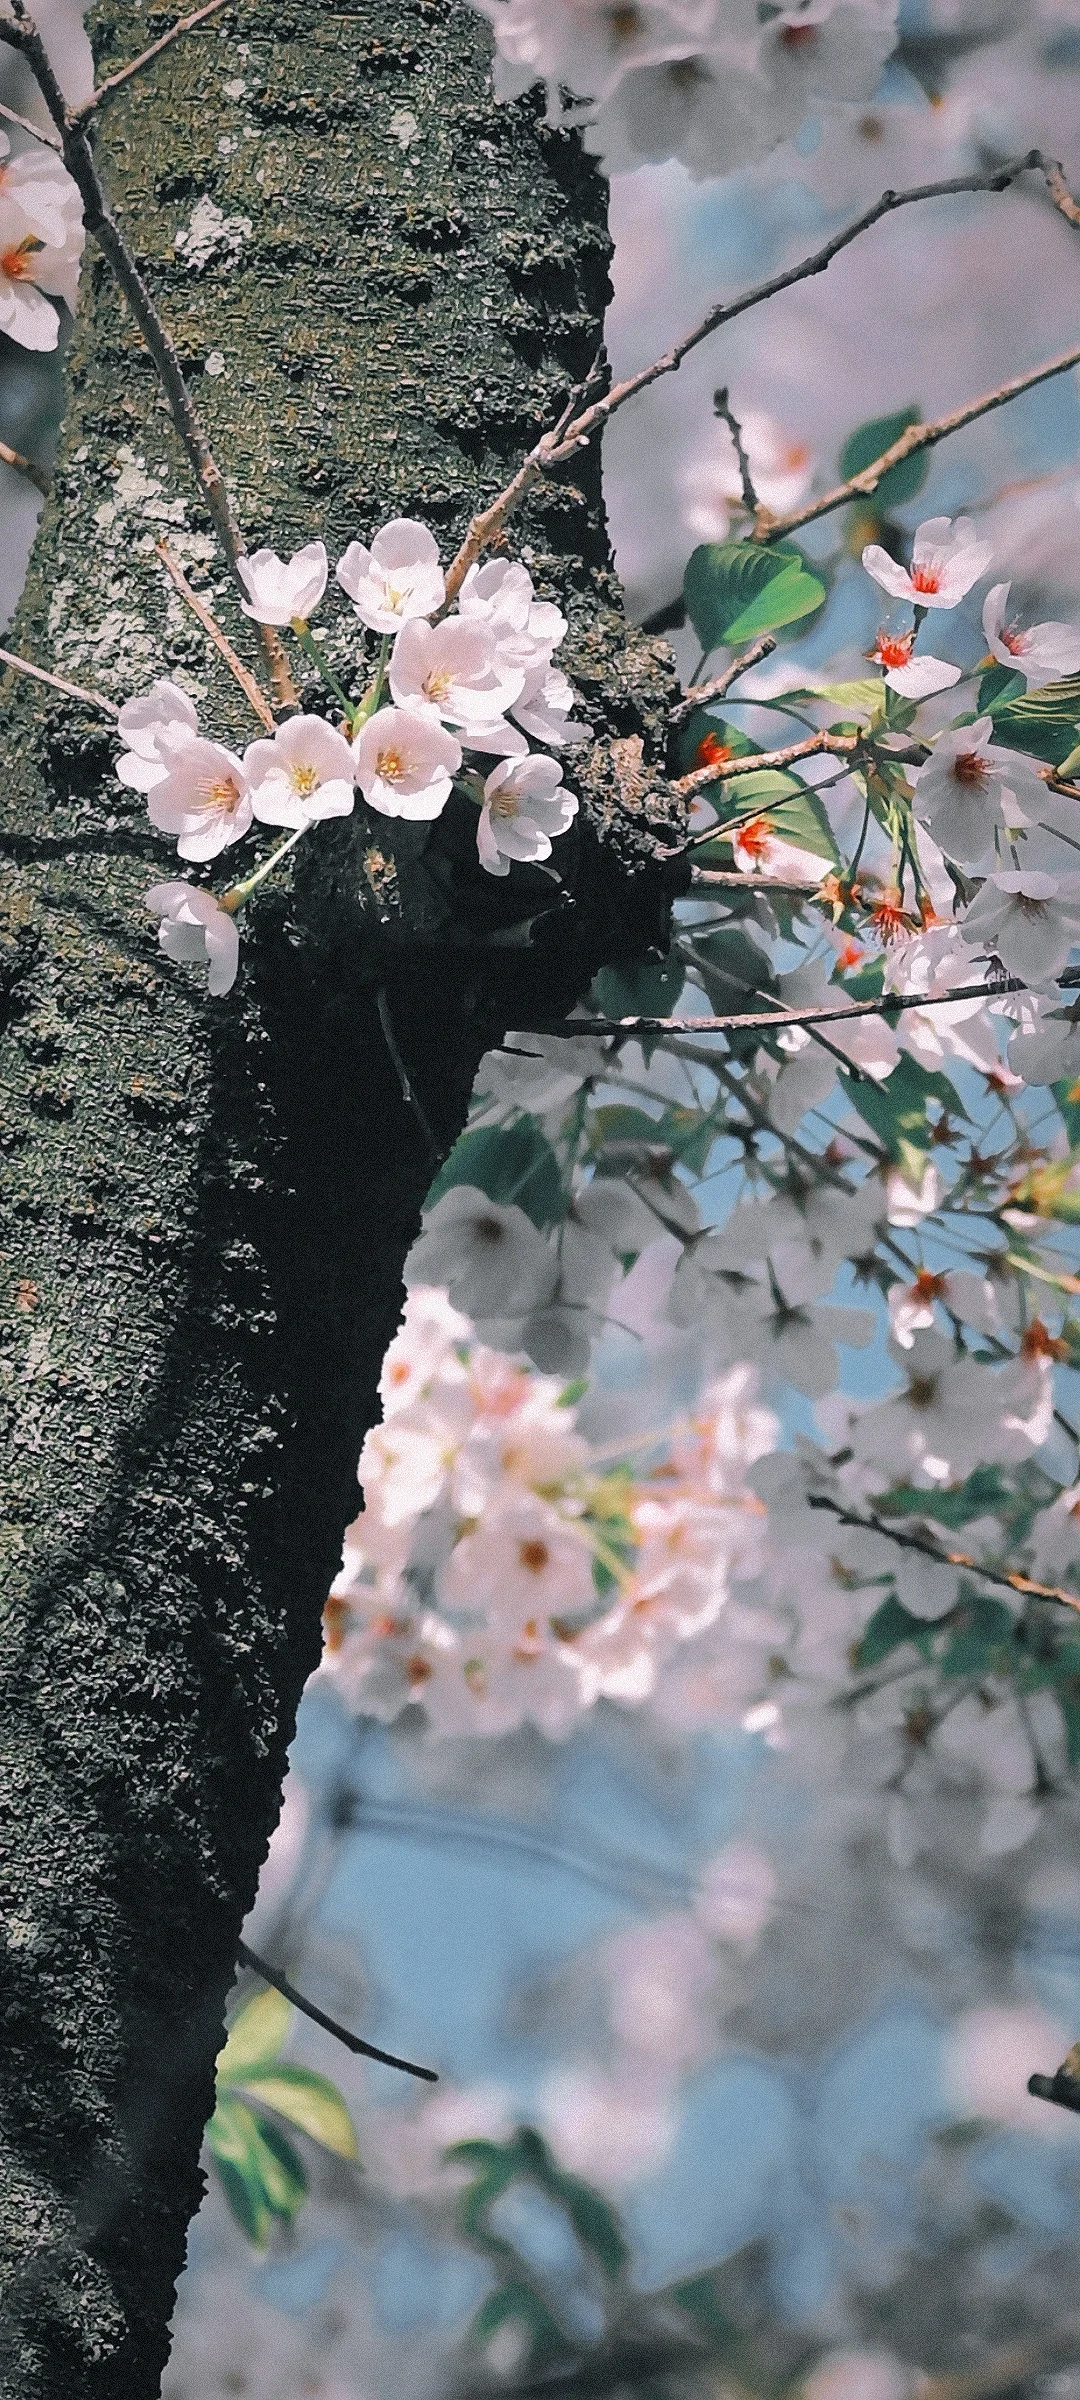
{"x": 750, "y": 500}
{"x": 750, "y": 1021}
{"x": 78, "y": 116}
{"x": 700, "y": 694}
{"x": 722, "y": 770}
{"x": 944, "y": 1558}
{"x": 209, "y": 623}
{"x": 22, "y": 35}
{"x": 352, "y": 2041}
{"x": 582, "y": 417}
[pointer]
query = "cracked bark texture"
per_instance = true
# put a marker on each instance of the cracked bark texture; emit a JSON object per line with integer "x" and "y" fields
{"x": 206, "y": 1206}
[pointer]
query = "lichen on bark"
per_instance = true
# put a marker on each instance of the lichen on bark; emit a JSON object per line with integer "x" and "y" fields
{"x": 206, "y": 1206}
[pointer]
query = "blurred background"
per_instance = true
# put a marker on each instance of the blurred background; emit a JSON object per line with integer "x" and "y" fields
{"x": 772, "y": 2079}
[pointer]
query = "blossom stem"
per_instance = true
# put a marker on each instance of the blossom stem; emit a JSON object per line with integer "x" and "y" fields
{"x": 352, "y": 2041}
{"x": 24, "y": 466}
{"x": 234, "y": 899}
{"x": 698, "y": 695}
{"x": 310, "y": 648}
{"x": 373, "y": 696}
{"x": 209, "y": 623}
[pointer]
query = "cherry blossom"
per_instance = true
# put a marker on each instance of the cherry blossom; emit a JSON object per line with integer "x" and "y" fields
{"x": 524, "y": 810}
{"x": 405, "y": 764}
{"x": 31, "y": 267}
{"x": 946, "y": 559}
{"x": 916, "y": 678}
{"x": 1031, "y": 921}
{"x": 522, "y": 1564}
{"x": 959, "y": 1293}
{"x": 452, "y": 671}
{"x": 398, "y": 578}
{"x": 964, "y": 790}
{"x": 544, "y": 708}
{"x": 781, "y": 469}
{"x": 153, "y": 725}
{"x": 194, "y": 929}
{"x": 1038, "y": 652}
{"x": 490, "y": 1258}
{"x": 204, "y": 799}
{"x": 500, "y": 595}
{"x": 283, "y": 591}
{"x": 303, "y": 775}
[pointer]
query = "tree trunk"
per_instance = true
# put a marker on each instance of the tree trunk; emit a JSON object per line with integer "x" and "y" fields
{"x": 207, "y": 1205}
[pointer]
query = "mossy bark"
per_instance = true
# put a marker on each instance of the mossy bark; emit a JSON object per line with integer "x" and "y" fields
{"x": 206, "y": 1206}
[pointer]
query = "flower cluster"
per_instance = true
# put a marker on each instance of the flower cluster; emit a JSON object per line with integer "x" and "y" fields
{"x": 715, "y": 83}
{"x": 502, "y": 1569}
{"x": 41, "y": 243}
{"x": 481, "y": 679}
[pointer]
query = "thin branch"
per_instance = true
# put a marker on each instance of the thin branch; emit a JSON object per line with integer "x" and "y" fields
{"x": 573, "y": 432}
{"x": 75, "y": 691}
{"x": 721, "y": 405}
{"x": 699, "y": 876}
{"x": 400, "y": 1070}
{"x": 722, "y": 770}
{"x": 25, "y": 466}
{"x": 886, "y": 1005}
{"x": 944, "y": 1558}
{"x": 79, "y": 161}
{"x": 26, "y": 125}
{"x": 208, "y": 621}
{"x": 916, "y": 438}
{"x": 486, "y": 527}
{"x": 352, "y": 2041}
{"x": 79, "y": 115}
{"x": 719, "y": 686}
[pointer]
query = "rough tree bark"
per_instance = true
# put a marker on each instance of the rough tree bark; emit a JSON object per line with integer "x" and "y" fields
{"x": 206, "y": 1206}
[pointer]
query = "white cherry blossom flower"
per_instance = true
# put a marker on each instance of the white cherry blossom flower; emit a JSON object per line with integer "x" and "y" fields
{"x": 405, "y": 764}
{"x": 500, "y": 595}
{"x": 946, "y": 559}
{"x": 205, "y": 799}
{"x": 491, "y": 1260}
{"x": 153, "y": 725}
{"x": 452, "y": 671}
{"x": 916, "y": 678}
{"x": 781, "y": 469}
{"x": 523, "y": 1565}
{"x": 935, "y": 962}
{"x": 1045, "y": 1047}
{"x": 826, "y": 55}
{"x": 195, "y": 929}
{"x": 398, "y": 578}
{"x": 708, "y": 108}
{"x": 303, "y": 775}
{"x": 524, "y": 810}
{"x": 969, "y": 789}
{"x": 46, "y": 195}
{"x": 758, "y": 850}
{"x": 957, "y": 1291}
{"x": 1031, "y": 921}
{"x": 544, "y": 708}
{"x": 1041, "y": 653}
{"x": 29, "y": 269}
{"x": 283, "y": 591}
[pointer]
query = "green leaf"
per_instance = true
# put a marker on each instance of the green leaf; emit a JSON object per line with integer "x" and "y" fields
{"x": 261, "y": 2175}
{"x": 1067, "y": 1095}
{"x": 310, "y": 2103}
{"x": 697, "y": 2294}
{"x": 518, "y": 2304}
{"x": 514, "y": 1164}
{"x": 999, "y": 684}
{"x": 1043, "y": 722}
{"x": 981, "y": 1494}
{"x": 888, "y": 1628}
{"x": 864, "y": 698}
{"x": 255, "y": 2037}
{"x": 737, "y": 589}
{"x": 691, "y": 1133}
{"x": 801, "y": 819}
{"x": 896, "y": 1111}
{"x": 594, "y": 2221}
{"x": 617, "y": 1123}
{"x": 981, "y": 1627}
{"x": 649, "y": 990}
{"x": 901, "y": 482}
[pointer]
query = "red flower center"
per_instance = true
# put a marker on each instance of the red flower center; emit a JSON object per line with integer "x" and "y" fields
{"x": 926, "y": 579}
{"x": 970, "y": 768}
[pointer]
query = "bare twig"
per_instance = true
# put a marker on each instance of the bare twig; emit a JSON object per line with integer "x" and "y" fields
{"x": 722, "y": 770}
{"x": 184, "y": 25}
{"x": 352, "y": 2041}
{"x": 400, "y": 1070}
{"x": 52, "y": 141}
{"x": 75, "y": 691}
{"x": 208, "y": 621}
{"x": 25, "y": 466}
{"x": 488, "y": 524}
{"x": 872, "y": 1523}
{"x": 574, "y": 431}
{"x": 749, "y": 1021}
{"x": 700, "y": 876}
{"x": 699, "y": 694}
{"x": 722, "y": 407}
{"x": 916, "y": 438}
{"x": 23, "y": 36}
